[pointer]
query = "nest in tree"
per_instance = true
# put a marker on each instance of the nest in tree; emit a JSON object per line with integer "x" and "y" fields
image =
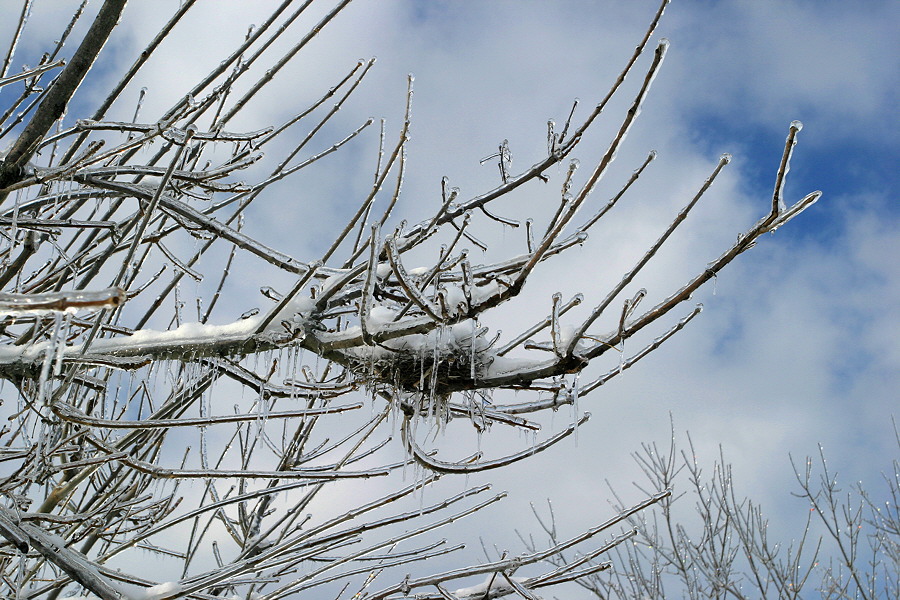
{"x": 423, "y": 371}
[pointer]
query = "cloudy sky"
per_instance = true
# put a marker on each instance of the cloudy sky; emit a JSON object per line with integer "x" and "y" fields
{"x": 797, "y": 344}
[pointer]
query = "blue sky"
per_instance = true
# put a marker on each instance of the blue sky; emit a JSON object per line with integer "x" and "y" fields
{"x": 798, "y": 342}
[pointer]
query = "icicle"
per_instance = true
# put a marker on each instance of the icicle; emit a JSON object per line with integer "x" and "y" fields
{"x": 433, "y": 379}
{"x": 60, "y": 343}
{"x": 137, "y": 109}
{"x": 420, "y": 478}
{"x": 20, "y": 572}
{"x": 295, "y": 360}
{"x": 49, "y": 356}
{"x": 178, "y": 305}
{"x": 552, "y": 137}
{"x": 479, "y": 433}
{"x": 14, "y": 229}
{"x": 204, "y": 412}
{"x": 472, "y": 350}
{"x": 574, "y": 392}
{"x": 421, "y": 351}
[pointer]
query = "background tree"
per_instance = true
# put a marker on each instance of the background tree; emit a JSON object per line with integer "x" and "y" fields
{"x": 721, "y": 545}
{"x": 96, "y": 447}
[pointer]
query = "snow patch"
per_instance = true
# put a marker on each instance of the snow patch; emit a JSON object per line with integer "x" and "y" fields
{"x": 162, "y": 590}
{"x": 497, "y": 583}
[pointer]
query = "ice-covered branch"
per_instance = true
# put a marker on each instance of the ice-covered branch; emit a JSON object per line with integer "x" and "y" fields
{"x": 439, "y": 466}
{"x": 26, "y": 536}
{"x": 518, "y": 561}
{"x": 54, "y": 302}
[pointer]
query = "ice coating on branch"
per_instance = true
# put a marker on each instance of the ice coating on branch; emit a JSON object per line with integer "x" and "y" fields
{"x": 58, "y": 302}
{"x": 185, "y": 336}
{"x": 798, "y": 125}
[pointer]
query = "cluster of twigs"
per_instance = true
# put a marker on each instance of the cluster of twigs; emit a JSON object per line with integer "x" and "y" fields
{"x": 724, "y": 546}
{"x": 94, "y": 216}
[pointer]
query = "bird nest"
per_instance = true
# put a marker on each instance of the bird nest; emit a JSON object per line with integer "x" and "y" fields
{"x": 424, "y": 372}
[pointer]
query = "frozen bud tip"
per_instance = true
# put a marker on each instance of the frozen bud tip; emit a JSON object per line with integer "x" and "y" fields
{"x": 663, "y": 43}
{"x": 726, "y": 158}
{"x": 652, "y": 155}
{"x": 798, "y": 125}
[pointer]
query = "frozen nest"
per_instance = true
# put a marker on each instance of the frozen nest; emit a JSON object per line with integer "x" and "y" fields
{"x": 436, "y": 364}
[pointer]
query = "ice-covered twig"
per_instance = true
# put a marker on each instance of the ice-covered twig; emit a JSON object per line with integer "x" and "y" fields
{"x": 789, "y": 213}
{"x": 612, "y": 201}
{"x": 368, "y": 289}
{"x": 31, "y": 72}
{"x": 70, "y": 413}
{"x": 778, "y": 205}
{"x": 14, "y": 42}
{"x": 52, "y": 224}
{"x": 439, "y": 466}
{"x": 50, "y": 302}
{"x": 210, "y": 136}
{"x": 410, "y": 287}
